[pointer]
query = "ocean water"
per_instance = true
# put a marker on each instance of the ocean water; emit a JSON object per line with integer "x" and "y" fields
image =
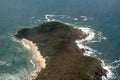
{"x": 99, "y": 18}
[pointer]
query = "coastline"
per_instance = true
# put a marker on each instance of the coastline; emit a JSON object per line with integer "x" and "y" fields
{"x": 40, "y": 61}
{"x": 37, "y": 60}
{"x": 90, "y": 51}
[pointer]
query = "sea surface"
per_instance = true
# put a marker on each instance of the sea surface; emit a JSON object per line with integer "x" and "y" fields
{"x": 99, "y": 18}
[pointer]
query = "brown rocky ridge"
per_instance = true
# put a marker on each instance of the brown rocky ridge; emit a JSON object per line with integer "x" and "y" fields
{"x": 64, "y": 60}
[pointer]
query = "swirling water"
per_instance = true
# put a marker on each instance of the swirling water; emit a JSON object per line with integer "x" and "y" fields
{"x": 100, "y": 19}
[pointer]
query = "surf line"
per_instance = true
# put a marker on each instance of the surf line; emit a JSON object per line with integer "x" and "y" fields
{"x": 37, "y": 58}
{"x": 38, "y": 61}
{"x": 89, "y": 51}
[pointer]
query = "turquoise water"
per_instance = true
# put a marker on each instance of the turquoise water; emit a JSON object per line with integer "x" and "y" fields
{"x": 103, "y": 17}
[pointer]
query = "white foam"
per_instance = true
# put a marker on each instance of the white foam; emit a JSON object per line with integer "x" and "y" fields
{"x": 33, "y": 64}
{"x": 89, "y": 38}
{"x": 3, "y": 62}
{"x": 48, "y": 16}
{"x": 76, "y": 19}
{"x": 90, "y": 52}
{"x": 116, "y": 62}
{"x": 89, "y": 32}
{"x": 93, "y": 36}
{"x": 110, "y": 74}
{"x": 84, "y": 18}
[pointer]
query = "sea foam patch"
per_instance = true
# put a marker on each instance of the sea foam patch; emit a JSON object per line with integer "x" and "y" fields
{"x": 50, "y": 17}
{"x": 90, "y": 36}
{"x": 91, "y": 52}
{"x": 89, "y": 32}
{"x": 93, "y": 36}
{"x": 116, "y": 63}
{"x": 84, "y": 18}
{"x": 3, "y": 62}
{"x": 109, "y": 68}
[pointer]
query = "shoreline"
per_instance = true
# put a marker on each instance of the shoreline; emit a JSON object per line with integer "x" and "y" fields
{"x": 40, "y": 62}
{"x": 90, "y": 51}
{"x": 37, "y": 60}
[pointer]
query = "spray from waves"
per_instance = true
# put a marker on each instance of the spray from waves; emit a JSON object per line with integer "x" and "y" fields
{"x": 50, "y": 17}
{"x": 110, "y": 70}
{"x": 91, "y": 38}
{"x": 47, "y": 17}
{"x": 60, "y": 18}
{"x": 94, "y": 36}
{"x": 84, "y": 18}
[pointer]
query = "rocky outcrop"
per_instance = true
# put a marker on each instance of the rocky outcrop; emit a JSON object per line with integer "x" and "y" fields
{"x": 65, "y": 61}
{"x": 99, "y": 73}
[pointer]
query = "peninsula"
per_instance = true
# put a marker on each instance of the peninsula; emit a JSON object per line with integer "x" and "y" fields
{"x": 56, "y": 55}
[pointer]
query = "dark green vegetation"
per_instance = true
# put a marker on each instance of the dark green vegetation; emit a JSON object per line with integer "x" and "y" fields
{"x": 65, "y": 60}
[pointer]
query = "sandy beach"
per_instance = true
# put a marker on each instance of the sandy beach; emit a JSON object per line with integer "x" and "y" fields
{"x": 37, "y": 60}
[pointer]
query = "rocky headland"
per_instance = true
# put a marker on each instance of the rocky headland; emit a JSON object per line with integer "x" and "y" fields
{"x": 56, "y": 54}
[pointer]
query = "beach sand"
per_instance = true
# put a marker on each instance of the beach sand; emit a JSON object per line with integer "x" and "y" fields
{"x": 37, "y": 58}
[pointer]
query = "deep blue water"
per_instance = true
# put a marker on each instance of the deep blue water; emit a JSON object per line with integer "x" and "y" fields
{"x": 103, "y": 15}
